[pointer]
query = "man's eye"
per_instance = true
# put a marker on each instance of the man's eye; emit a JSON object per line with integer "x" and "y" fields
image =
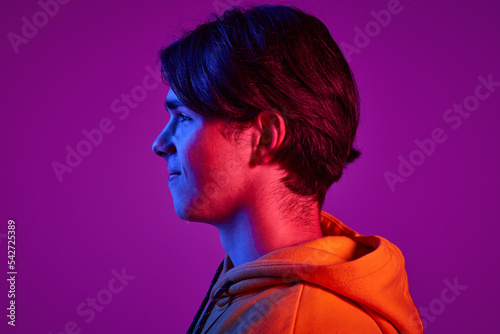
{"x": 183, "y": 117}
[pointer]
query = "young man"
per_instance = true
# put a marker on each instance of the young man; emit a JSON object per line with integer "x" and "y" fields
{"x": 264, "y": 111}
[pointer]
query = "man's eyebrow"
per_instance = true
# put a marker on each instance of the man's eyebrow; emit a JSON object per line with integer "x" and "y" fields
{"x": 173, "y": 104}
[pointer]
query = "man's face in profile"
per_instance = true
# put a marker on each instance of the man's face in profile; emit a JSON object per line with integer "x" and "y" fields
{"x": 206, "y": 180}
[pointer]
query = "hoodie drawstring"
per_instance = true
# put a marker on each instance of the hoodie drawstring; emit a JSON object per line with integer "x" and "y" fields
{"x": 217, "y": 295}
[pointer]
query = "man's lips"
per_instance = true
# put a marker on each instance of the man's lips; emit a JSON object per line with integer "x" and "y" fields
{"x": 173, "y": 171}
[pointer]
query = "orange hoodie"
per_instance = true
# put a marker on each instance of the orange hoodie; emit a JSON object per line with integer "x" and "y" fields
{"x": 341, "y": 283}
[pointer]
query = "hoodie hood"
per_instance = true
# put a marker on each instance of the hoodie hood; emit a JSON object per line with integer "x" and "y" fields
{"x": 369, "y": 270}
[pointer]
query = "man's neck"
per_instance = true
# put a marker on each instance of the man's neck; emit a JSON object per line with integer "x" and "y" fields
{"x": 254, "y": 232}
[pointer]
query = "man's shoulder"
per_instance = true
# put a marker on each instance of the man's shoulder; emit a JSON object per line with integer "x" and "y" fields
{"x": 321, "y": 310}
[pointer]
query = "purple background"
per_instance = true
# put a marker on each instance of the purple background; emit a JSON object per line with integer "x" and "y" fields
{"x": 114, "y": 210}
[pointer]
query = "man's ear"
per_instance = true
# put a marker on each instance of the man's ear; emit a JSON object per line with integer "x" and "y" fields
{"x": 269, "y": 135}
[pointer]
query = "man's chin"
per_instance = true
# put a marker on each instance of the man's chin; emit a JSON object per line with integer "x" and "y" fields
{"x": 187, "y": 213}
{"x": 189, "y": 209}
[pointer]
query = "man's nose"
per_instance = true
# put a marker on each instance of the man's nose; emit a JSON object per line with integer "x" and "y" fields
{"x": 162, "y": 145}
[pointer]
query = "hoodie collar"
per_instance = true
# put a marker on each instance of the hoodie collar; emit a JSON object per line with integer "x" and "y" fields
{"x": 339, "y": 244}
